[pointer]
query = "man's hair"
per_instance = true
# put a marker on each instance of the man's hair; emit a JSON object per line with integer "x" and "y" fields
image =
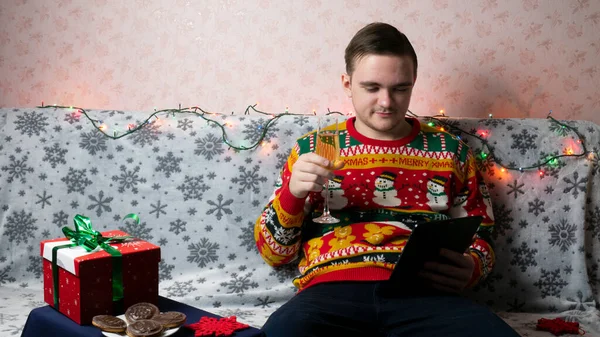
{"x": 380, "y": 39}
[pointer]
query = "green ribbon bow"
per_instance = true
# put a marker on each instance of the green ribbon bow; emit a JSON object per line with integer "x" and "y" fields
{"x": 88, "y": 238}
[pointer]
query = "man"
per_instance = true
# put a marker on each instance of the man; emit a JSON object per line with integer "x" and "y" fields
{"x": 394, "y": 173}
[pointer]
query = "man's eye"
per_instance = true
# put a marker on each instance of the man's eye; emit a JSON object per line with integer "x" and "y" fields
{"x": 371, "y": 89}
{"x": 401, "y": 89}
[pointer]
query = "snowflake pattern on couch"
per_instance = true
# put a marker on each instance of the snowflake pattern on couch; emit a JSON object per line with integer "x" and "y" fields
{"x": 198, "y": 200}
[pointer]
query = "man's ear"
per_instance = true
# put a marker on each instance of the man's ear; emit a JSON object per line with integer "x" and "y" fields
{"x": 347, "y": 84}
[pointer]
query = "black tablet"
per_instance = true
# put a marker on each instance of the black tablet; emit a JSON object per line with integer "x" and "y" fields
{"x": 428, "y": 238}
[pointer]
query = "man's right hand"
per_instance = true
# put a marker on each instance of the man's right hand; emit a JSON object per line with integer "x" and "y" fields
{"x": 310, "y": 173}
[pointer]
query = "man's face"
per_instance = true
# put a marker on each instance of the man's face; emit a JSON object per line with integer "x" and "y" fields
{"x": 380, "y": 88}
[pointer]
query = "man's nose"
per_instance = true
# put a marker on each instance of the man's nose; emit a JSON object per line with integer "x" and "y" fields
{"x": 384, "y": 99}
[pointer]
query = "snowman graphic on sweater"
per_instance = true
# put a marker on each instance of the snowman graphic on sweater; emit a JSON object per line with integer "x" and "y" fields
{"x": 460, "y": 200}
{"x": 336, "y": 193}
{"x": 385, "y": 194}
{"x": 486, "y": 200}
{"x": 437, "y": 199}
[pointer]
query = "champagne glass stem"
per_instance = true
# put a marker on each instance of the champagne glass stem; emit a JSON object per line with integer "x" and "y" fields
{"x": 326, "y": 206}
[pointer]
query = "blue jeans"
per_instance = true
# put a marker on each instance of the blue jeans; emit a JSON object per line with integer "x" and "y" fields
{"x": 372, "y": 309}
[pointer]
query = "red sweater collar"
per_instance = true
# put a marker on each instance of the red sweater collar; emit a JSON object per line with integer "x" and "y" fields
{"x": 416, "y": 127}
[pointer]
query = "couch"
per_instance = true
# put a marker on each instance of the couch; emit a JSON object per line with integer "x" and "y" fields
{"x": 198, "y": 192}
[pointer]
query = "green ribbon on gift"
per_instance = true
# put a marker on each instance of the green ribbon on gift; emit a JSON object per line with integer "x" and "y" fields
{"x": 85, "y": 236}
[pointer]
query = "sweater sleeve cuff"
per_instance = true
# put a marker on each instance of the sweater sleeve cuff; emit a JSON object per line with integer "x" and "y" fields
{"x": 477, "y": 272}
{"x": 289, "y": 202}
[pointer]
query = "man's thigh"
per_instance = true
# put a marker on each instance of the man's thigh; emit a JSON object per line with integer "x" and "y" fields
{"x": 328, "y": 309}
{"x": 440, "y": 315}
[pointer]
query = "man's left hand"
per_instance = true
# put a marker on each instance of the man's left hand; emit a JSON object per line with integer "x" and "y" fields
{"x": 451, "y": 276}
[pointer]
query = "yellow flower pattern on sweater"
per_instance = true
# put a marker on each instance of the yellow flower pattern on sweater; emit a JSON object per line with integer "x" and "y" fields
{"x": 314, "y": 248}
{"x": 342, "y": 238}
{"x": 376, "y": 234}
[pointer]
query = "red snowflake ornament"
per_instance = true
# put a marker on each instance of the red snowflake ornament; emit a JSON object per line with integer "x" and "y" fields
{"x": 210, "y": 326}
{"x": 558, "y": 326}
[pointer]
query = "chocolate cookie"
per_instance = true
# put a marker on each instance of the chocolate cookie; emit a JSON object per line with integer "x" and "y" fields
{"x": 140, "y": 311}
{"x": 144, "y": 328}
{"x": 109, "y": 323}
{"x": 170, "y": 319}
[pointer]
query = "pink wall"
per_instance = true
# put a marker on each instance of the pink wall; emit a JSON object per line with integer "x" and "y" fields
{"x": 512, "y": 58}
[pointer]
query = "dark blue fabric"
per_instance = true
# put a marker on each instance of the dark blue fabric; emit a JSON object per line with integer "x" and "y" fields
{"x": 46, "y": 321}
{"x": 374, "y": 309}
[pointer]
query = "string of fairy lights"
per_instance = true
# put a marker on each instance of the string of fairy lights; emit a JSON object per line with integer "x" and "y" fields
{"x": 488, "y": 154}
{"x": 440, "y": 121}
{"x": 195, "y": 110}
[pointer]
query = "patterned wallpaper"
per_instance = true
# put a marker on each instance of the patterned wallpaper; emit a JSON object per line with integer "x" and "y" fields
{"x": 512, "y": 58}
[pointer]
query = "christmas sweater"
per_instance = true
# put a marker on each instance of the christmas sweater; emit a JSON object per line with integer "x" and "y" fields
{"x": 382, "y": 192}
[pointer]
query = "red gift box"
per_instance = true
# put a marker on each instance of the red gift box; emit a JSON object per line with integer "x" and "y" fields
{"x": 85, "y": 278}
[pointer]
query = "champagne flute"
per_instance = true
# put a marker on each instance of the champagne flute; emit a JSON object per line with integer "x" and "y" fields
{"x": 327, "y": 146}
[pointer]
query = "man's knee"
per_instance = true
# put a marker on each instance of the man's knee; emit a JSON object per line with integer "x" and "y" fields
{"x": 286, "y": 325}
{"x": 290, "y": 321}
